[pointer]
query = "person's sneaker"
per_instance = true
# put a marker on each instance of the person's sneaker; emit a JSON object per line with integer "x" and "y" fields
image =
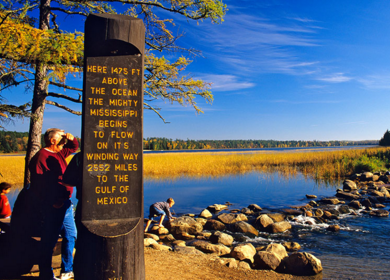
{"x": 67, "y": 275}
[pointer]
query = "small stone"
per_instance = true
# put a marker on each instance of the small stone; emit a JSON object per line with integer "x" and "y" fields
{"x": 319, "y": 213}
{"x": 161, "y": 247}
{"x": 313, "y": 203}
{"x": 244, "y": 265}
{"x": 292, "y": 246}
{"x": 180, "y": 243}
{"x": 333, "y": 228}
{"x": 187, "y": 250}
{"x": 379, "y": 213}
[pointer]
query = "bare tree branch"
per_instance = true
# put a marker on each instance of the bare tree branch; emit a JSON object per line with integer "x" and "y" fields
{"x": 148, "y": 107}
{"x": 59, "y": 95}
{"x": 63, "y": 107}
{"x": 65, "y": 86}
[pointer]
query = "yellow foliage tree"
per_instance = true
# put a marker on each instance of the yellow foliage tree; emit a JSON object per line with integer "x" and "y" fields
{"x": 36, "y": 52}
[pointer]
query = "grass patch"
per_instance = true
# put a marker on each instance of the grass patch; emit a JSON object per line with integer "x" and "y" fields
{"x": 319, "y": 165}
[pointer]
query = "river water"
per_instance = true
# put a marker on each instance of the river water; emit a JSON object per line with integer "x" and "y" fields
{"x": 361, "y": 250}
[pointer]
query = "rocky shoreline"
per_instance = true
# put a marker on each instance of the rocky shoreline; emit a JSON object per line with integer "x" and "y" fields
{"x": 224, "y": 232}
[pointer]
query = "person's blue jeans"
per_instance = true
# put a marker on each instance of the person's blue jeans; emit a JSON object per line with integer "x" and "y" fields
{"x": 56, "y": 222}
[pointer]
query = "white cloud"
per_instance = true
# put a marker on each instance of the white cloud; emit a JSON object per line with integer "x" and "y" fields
{"x": 305, "y": 102}
{"x": 380, "y": 81}
{"x": 335, "y": 78}
{"x": 227, "y": 82}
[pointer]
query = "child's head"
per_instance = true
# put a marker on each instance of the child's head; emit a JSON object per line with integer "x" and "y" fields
{"x": 170, "y": 201}
{"x": 5, "y": 188}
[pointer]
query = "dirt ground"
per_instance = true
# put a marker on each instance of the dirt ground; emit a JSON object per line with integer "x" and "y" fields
{"x": 174, "y": 266}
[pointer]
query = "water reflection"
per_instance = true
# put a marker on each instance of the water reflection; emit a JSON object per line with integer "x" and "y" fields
{"x": 268, "y": 190}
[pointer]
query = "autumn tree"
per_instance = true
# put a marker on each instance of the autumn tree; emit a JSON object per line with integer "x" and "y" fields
{"x": 37, "y": 52}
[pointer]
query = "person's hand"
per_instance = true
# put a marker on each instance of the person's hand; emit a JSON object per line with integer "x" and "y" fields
{"x": 69, "y": 136}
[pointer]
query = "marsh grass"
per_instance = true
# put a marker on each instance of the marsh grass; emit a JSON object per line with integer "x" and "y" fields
{"x": 319, "y": 165}
{"x": 12, "y": 169}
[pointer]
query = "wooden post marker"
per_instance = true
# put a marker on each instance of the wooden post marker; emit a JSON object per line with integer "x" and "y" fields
{"x": 110, "y": 235}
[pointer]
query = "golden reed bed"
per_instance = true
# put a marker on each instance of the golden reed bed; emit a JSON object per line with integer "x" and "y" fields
{"x": 316, "y": 164}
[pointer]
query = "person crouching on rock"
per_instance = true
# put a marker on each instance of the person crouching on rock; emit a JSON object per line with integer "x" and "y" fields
{"x": 160, "y": 209}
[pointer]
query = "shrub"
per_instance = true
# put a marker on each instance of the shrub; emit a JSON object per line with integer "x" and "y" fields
{"x": 369, "y": 164}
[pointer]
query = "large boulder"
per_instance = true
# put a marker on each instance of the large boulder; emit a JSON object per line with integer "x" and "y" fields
{"x": 302, "y": 264}
{"x": 184, "y": 224}
{"x": 279, "y": 227}
{"x": 367, "y": 176}
{"x": 347, "y": 195}
{"x": 277, "y": 217}
{"x": 230, "y": 218}
{"x": 202, "y": 221}
{"x": 206, "y": 214}
{"x": 263, "y": 221}
{"x": 246, "y": 211}
{"x": 330, "y": 200}
{"x": 221, "y": 238}
{"x": 384, "y": 191}
{"x": 217, "y": 207}
{"x": 266, "y": 260}
{"x": 159, "y": 230}
{"x": 214, "y": 225}
{"x": 150, "y": 235}
{"x": 255, "y": 207}
{"x": 277, "y": 249}
{"x": 149, "y": 241}
{"x": 376, "y": 193}
{"x": 245, "y": 228}
{"x": 244, "y": 252}
{"x": 206, "y": 247}
{"x": 349, "y": 185}
{"x": 355, "y": 204}
{"x": 344, "y": 209}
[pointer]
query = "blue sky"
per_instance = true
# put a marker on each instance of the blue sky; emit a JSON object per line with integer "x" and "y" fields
{"x": 283, "y": 70}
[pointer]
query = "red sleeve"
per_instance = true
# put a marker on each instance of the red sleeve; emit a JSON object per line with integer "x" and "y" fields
{"x": 5, "y": 207}
{"x": 70, "y": 148}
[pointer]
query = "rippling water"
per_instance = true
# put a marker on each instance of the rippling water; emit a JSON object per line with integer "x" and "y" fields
{"x": 359, "y": 251}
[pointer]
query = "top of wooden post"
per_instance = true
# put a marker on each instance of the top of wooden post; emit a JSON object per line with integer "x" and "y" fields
{"x": 111, "y": 34}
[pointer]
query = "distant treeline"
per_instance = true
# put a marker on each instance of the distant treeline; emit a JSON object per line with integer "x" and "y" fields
{"x": 11, "y": 141}
{"x": 156, "y": 144}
